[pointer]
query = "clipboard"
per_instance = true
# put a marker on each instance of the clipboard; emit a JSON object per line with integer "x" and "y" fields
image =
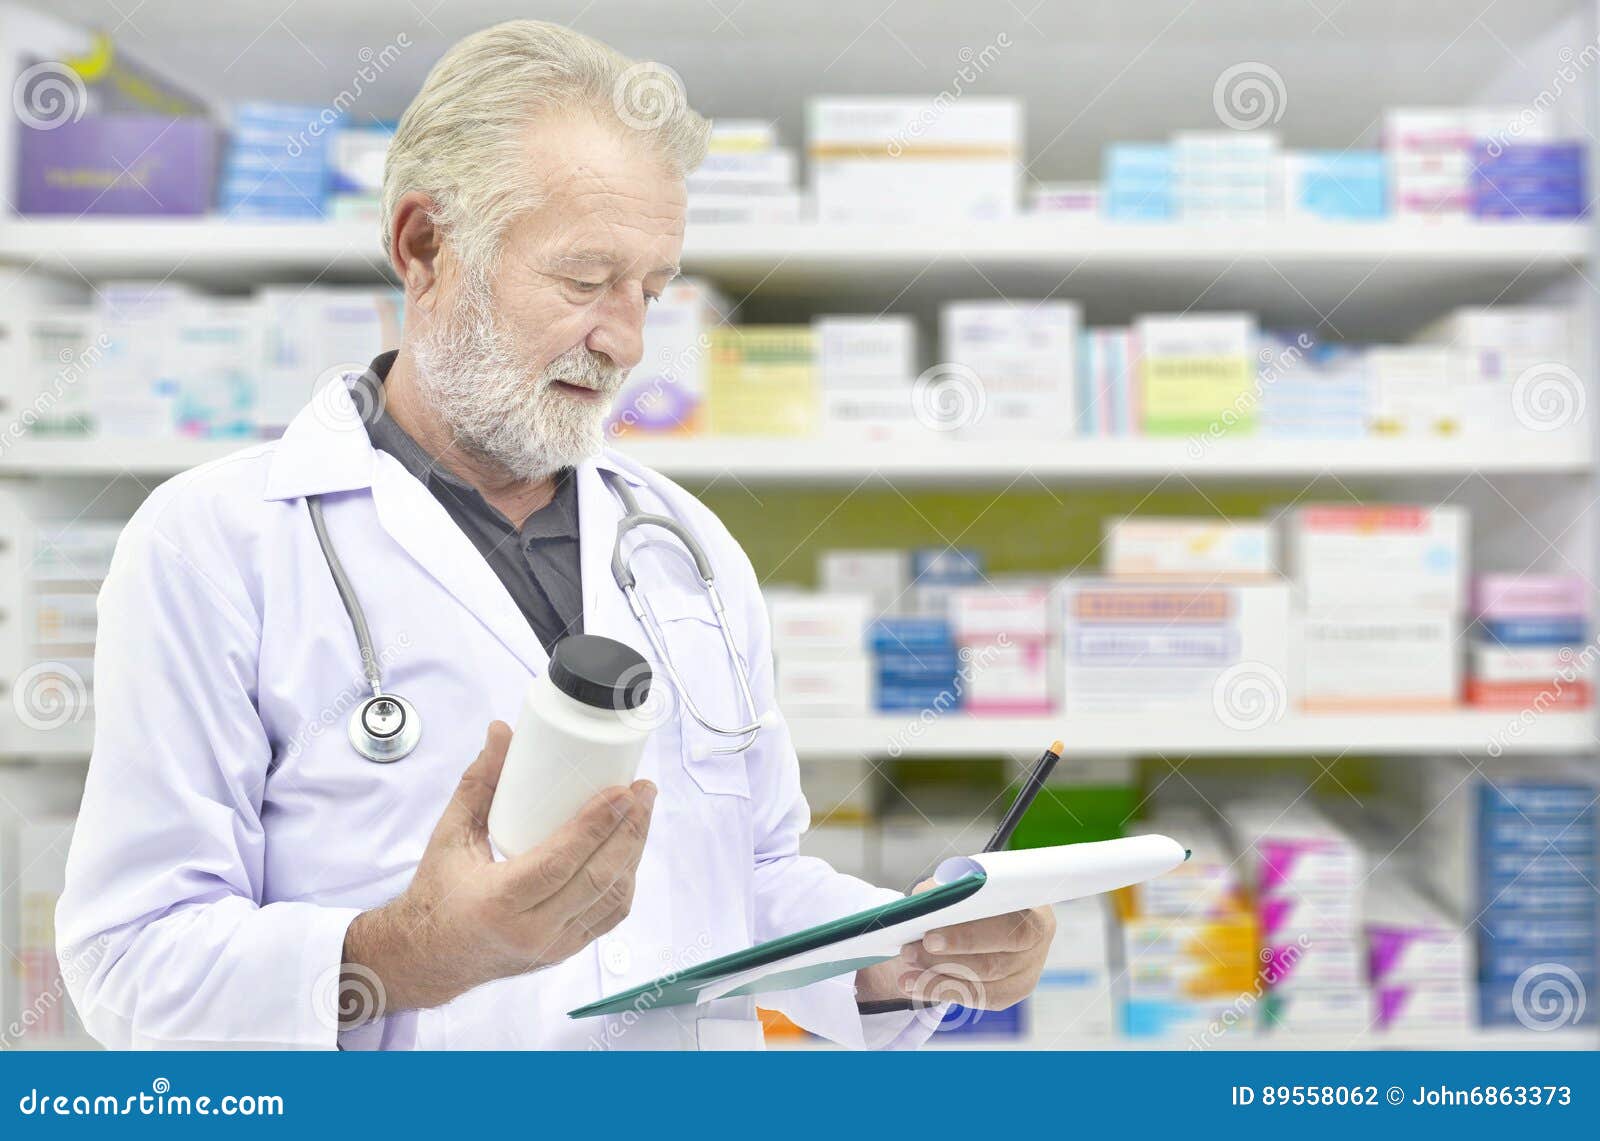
{"x": 976, "y": 887}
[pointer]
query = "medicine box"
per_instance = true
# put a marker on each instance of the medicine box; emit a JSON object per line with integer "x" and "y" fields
{"x": 1199, "y": 549}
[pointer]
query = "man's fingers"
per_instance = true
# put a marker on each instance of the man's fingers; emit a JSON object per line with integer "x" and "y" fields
{"x": 1016, "y": 931}
{"x": 465, "y": 819}
{"x": 606, "y": 877}
{"x": 997, "y": 994}
{"x": 986, "y": 966}
{"x": 539, "y": 874}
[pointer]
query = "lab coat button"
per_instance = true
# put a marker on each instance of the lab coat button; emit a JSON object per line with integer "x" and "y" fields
{"x": 616, "y": 956}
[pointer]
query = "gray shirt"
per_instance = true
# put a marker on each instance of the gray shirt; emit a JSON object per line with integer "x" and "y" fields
{"x": 538, "y": 563}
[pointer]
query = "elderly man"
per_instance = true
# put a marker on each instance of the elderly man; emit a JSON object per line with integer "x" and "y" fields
{"x": 241, "y": 875}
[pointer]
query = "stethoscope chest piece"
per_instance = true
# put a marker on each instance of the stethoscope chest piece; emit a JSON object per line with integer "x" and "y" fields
{"x": 384, "y": 728}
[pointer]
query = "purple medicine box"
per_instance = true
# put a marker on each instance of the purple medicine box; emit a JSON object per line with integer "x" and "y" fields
{"x": 117, "y": 164}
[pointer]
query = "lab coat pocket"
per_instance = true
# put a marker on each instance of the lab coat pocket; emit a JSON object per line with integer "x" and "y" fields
{"x": 701, "y": 658}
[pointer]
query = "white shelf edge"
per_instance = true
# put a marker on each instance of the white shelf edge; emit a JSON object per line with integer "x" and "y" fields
{"x": 126, "y": 244}
{"x": 1476, "y": 732}
{"x": 938, "y": 459}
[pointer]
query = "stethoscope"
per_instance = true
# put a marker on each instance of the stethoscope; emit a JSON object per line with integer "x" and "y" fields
{"x": 385, "y": 727}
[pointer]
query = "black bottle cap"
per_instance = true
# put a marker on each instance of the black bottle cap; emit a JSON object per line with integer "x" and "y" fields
{"x": 600, "y": 671}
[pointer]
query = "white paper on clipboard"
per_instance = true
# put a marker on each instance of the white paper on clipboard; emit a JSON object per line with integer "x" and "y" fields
{"x": 1015, "y": 881}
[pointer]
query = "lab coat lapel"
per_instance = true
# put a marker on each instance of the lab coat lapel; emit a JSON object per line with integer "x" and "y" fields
{"x": 420, "y": 524}
{"x": 605, "y": 610}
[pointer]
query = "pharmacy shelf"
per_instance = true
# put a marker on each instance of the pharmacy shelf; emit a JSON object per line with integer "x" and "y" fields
{"x": 943, "y": 461}
{"x": 954, "y": 735}
{"x": 113, "y": 247}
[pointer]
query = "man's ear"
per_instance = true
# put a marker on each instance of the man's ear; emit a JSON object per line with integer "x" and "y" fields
{"x": 415, "y": 249}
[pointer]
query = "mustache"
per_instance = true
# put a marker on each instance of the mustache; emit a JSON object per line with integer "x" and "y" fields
{"x": 587, "y": 369}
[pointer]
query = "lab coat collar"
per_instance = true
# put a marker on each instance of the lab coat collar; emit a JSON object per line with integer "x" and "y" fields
{"x": 326, "y": 449}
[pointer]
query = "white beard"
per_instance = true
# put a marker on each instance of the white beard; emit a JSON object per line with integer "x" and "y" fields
{"x": 500, "y": 408}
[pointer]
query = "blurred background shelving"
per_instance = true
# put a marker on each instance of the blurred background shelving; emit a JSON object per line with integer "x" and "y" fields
{"x": 885, "y": 786}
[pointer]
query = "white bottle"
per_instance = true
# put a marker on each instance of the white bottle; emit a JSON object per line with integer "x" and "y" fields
{"x": 582, "y": 729}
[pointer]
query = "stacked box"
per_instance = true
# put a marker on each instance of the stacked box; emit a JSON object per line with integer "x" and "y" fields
{"x": 1072, "y": 1000}
{"x": 1529, "y": 645}
{"x": 1335, "y": 185}
{"x": 216, "y": 368}
{"x": 1226, "y": 175}
{"x": 1202, "y": 649}
{"x": 306, "y": 332}
{"x": 1430, "y": 165}
{"x": 1529, "y": 181}
{"x": 1199, "y": 550}
{"x": 1189, "y": 942}
{"x": 1004, "y": 637}
{"x": 1197, "y": 373}
{"x": 1498, "y": 343}
{"x": 821, "y": 664}
{"x": 1419, "y": 961}
{"x": 1380, "y": 592}
{"x": 866, "y": 367}
{"x": 1140, "y": 182}
{"x": 60, "y": 372}
{"x": 1023, "y": 356}
{"x": 1108, "y": 383}
{"x": 763, "y": 381}
{"x": 356, "y": 156}
{"x": 881, "y": 574}
{"x": 745, "y": 178}
{"x": 1305, "y": 875}
{"x": 136, "y": 390}
{"x": 276, "y": 164}
{"x": 42, "y": 846}
{"x": 907, "y": 161}
{"x": 1537, "y": 914}
{"x": 665, "y": 393}
{"x": 1312, "y": 391}
{"x": 916, "y": 664}
{"x": 937, "y": 573}
{"x": 1414, "y": 389}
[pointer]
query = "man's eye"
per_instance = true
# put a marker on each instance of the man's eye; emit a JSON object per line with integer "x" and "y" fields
{"x": 651, "y": 298}
{"x": 587, "y": 286}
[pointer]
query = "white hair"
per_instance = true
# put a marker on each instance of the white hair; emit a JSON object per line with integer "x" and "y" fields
{"x": 463, "y": 139}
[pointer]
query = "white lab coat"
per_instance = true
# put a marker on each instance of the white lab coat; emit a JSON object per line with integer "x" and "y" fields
{"x": 229, "y": 833}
